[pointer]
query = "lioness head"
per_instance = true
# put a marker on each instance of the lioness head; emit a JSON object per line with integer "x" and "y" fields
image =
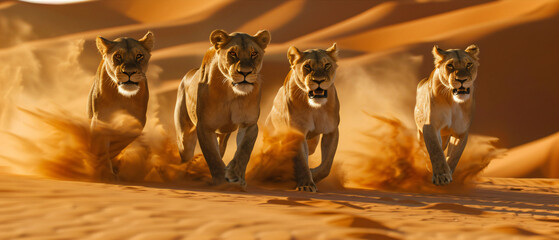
{"x": 315, "y": 70}
{"x": 458, "y": 70}
{"x": 240, "y": 57}
{"x": 126, "y": 61}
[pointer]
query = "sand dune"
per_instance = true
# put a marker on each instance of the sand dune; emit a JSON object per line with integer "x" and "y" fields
{"x": 379, "y": 187}
{"x": 538, "y": 158}
{"x": 382, "y": 15}
{"x": 146, "y": 11}
{"x": 471, "y": 23}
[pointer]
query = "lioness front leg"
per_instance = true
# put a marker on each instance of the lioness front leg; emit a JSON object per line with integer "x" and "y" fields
{"x": 303, "y": 175}
{"x": 246, "y": 137}
{"x": 100, "y": 147}
{"x": 222, "y": 139}
{"x": 455, "y": 150}
{"x": 185, "y": 128}
{"x": 328, "y": 147}
{"x": 210, "y": 150}
{"x": 187, "y": 143}
{"x": 441, "y": 171}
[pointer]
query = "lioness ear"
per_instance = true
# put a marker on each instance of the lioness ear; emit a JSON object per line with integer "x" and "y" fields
{"x": 293, "y": 54}
{"x": 263, "y": 38}
{"x": 104, "y": 45}
{"x": 147, "y": 41}
{"x": 218, "y": 38}
{"x": 333, "y": 52}
{"x": 473, "y": 50}
{"x": 439, "y": 54}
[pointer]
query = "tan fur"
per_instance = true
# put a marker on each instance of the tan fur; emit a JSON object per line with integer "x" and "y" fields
{"x": 293, "y": 108}
{"x": 124, "y": 59}
{"x": 442, "y": 116}
{"x": 210, "y": 107}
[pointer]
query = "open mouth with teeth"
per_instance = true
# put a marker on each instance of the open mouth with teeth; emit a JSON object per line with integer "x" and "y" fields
{"x": 318, "y": 93}
{"x": 461, "y": 90}
{"x": 129, "y": 82}
{"x": 243, "y": 82}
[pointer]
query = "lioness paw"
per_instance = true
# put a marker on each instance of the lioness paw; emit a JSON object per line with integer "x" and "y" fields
{"x": 232, "y": 177}
{"x": 239, "y": 181}
{"x": 307, "y": 188}
{"x": 442, "y": 179}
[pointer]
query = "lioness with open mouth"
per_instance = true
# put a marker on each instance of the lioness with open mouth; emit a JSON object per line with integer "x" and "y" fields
{"x": 308, "y": 102}
{"x": 444, "y": 108}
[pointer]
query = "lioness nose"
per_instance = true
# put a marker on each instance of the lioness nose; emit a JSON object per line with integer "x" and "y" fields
{"x": 129, "y": 73}
{"x": 461, "y": 81}
{"x": 244, "y": 73}
{"x": 318, "y": 81}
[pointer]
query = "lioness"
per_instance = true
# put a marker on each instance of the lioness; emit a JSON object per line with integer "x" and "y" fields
{"x": 444, "y": 107}
{"x": 308, "y": 102}
{"x": 219, "y": 97}
{"x": 120, "y": 86}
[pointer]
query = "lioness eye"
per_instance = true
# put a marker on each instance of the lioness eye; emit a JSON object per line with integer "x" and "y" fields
{"x": 469, "y": 65}
{"x": 449, "y": 66}
{"x": 117, "y": 58}
{"x": 233, "y": 54}
{"x": 139, "y": 57}
{"x": 307, "y": 67}
{"x": 254, "y": 54}
{"x": 327, "y": 66}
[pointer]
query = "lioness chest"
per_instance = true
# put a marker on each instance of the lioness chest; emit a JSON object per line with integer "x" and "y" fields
{"x": 226, "y": 114}
{"x": 106, "y": 107}
{"x": 108, "y": 111}
{"x": 322, "y": 124}
{"x": 316, "y": 120}
{"x": 242, "y": 110}
{"x": 452, "y": 119}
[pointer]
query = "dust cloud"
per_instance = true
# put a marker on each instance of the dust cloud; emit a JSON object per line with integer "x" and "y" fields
{"x": 392, "y": 158}
{"x": 272, "y": 164}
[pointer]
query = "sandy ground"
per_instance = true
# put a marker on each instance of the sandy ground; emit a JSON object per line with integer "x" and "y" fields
{"x": 500, "y": 208}
{"x": 379, "y": 187}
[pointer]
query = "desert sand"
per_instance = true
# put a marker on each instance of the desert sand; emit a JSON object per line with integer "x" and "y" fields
{"x": 504, "y": 208}
{"x": 379, "y": 187}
